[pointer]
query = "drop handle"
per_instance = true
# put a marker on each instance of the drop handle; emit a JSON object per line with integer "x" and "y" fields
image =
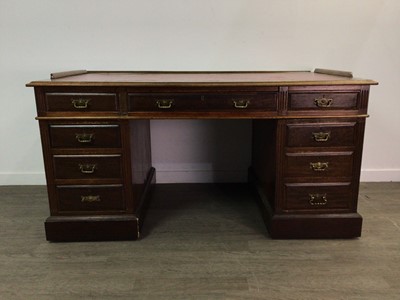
{"x": 165, "y": 103}
{"x": 84, "y": 137}
{"x": 241, "y": 103}
{"x": 318, "y": 199}
{"x": 90, "y": 198}
{"x": 321, "y": 136}
{"x": 80, "y": 103}
{"x": 87, "y": 168}
{"x": 323, "y": 102}
{"x": 319, "y": 166}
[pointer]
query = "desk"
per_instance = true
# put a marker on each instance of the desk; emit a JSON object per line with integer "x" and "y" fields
{"x": 307, "y": 137}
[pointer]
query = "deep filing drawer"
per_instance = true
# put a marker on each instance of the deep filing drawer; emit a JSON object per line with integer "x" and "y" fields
{"x": 323, "y": 101}
{"x": 321, "y": 134}
{"x": 85, "y": 136}
{"x": 318, "y": 197}
{"x": 90, "y": 198}
{"x": 87, "y": 166}
{"x": 81, "y": 102}
{"x": 315, "y": 164}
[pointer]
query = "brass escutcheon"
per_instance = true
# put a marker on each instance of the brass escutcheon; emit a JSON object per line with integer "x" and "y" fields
{"x": 323, "y": 102}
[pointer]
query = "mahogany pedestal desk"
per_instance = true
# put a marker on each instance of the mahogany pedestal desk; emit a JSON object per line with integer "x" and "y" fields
{"x": 307, "y": 138}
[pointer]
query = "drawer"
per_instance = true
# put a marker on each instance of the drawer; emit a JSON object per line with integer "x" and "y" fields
{"x": 165, "y": 102}
{"x": 322, "y": 101}
{"x": 90, "y": 198}
{"x": 318, "y": 196}
{"x": 321, "y": 134}
{"x": 261, "y": 101}
{"x": 81, "y": 102}
{"x": 319, "y": 164}
{"x": 87, "y": 166}
{"x": 85, "y": 136}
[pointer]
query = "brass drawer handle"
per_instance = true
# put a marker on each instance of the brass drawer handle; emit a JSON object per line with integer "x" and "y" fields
{"x": 323, "y": 102}
{"x": 318, "y": 199}
{"x": 165, "y": 104}
{"x": 80, "y": 103}
{"x": 319, "y": 166}
{"x": 87, "y": 168}
{"x": 90, "y": 199}
{"x": 241, "y": 103}
{"x": 321, "y": 136}
{"x": 84, "y": 137}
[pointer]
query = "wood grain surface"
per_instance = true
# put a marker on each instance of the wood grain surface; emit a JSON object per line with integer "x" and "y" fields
{"x": 200, "y": 79}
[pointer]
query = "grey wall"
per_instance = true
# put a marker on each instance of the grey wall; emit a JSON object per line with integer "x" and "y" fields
{"x": 39, "y": 37}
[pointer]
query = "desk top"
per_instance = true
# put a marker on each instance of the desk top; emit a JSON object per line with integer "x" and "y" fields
{"x": 258, "y": 78}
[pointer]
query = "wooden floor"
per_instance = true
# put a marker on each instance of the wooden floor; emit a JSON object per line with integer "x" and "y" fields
{"x": 201, "y": 242}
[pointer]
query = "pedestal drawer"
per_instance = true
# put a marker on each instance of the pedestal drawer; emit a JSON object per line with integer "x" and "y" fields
{"x": 319, "y": 164}
{"x": 309, "y": 196}
{"x": 90, "y": 198}
{"x": 321, "y": 134}
{"x": 87, "y": 166}
{"x": 85, "y": 136}
{"x": 81, "y": 102}
{"x": 322, "y": 101}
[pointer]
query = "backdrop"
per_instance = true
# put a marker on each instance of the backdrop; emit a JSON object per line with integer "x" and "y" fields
{"x": 43, "y": 36}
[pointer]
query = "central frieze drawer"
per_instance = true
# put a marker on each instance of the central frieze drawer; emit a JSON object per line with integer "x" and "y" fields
{"x": 315, "y": 164}
{"x": 322, "y": 101}
{"x": 165, "y": 102}
{"x": 245, "y": 101}
{"x": 321, "y": 134}
{"x": 318, "y": 197}
{"x": 262, "y": 101}
{"x": 81, "y": 102}
{"x": 87, "y": 166}
{"x": 85, "y": 136}
{"x": 90, "y": 198}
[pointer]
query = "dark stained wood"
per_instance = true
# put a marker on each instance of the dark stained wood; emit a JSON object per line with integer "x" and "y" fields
{"x": 200, "y": 79}
{"x": 140, "y": 158}
{"x": 241, "y": 101}
{"x": 263, "y": 166}
{"x": 321, "y": 134}
{"x": 328, "y": 197}
{"x": 91, "y": 228}
{"x": 87, "y": 166}
{"x": 90, "y": 199}
{"x": 81, "y": 102}
{"x": 296, "y": 226}
{"x": 332, "y": 164}
{"x": 167, "y": 102}
{"x": 309, "y": 101}
{"x": 85, "y": 136}
{"x": 308, "y": 131}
